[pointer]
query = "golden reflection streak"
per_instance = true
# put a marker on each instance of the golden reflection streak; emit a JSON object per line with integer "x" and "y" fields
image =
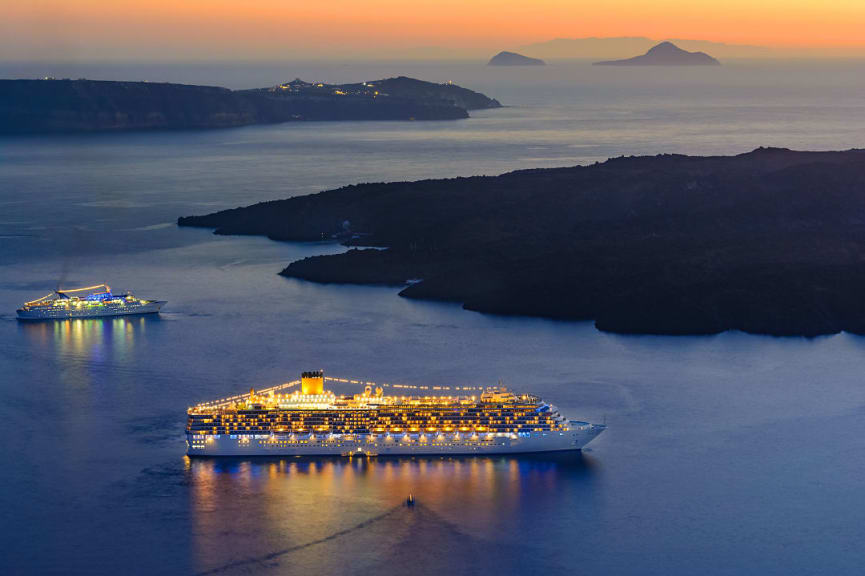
{"x": 300, "y": 500}
{"x": 88, "y": 338}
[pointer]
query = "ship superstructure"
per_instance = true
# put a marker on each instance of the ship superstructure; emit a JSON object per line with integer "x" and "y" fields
{"x": 284, "y": 420}
{"x": 90, "y": 302}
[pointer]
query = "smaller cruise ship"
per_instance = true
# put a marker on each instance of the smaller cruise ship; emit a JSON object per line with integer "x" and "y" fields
{"x": 90, "y": 302}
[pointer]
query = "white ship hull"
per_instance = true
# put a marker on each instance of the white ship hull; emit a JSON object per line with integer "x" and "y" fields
{"x": 575, "y": 438}
{"x": 91, "y": 312}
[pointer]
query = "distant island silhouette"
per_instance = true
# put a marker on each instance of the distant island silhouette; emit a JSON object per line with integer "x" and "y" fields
{"x": 514, "y": 59}
{"x": 769, "y": 242}
{"x": 664, "y": 54}
{"x": 38, "y": 106}
{"x": 611, "y": 48}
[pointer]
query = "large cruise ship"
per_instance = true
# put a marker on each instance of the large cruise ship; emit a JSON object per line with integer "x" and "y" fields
{"x": 90, "y": 302}
{"x": 312, "y": 421}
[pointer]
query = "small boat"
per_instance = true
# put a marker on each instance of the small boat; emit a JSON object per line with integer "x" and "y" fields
{"x": 410, "y": 500}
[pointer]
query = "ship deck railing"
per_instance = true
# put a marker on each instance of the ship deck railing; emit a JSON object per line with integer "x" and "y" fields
{"x": 231, "y": 401}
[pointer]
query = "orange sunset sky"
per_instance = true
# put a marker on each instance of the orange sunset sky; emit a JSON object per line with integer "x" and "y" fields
{"x": 269, "y": 29}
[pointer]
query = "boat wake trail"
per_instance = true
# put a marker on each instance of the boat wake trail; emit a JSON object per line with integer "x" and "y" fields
{"x": 266, "y": 558}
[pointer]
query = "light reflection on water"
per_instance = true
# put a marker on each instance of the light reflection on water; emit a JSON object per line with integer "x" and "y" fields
{"x": 92, "y": 339}
{"x": 337, "y": 515}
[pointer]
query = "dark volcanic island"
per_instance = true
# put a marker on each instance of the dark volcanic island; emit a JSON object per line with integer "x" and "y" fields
{"x": 94, "y": 106}
{"x": 772, "y": 241}
{"x": 664, "y": 54}
{"x": 514, "y": 59}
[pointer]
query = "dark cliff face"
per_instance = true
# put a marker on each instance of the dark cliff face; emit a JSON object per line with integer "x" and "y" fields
{"x": 768, "y": 242}
{"x": 92, "y": 106}
{"x": 85, "y": 105}
{"x": 665, "y": 54}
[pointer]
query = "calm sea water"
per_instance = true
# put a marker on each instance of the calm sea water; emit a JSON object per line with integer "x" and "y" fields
{"x": 724, "y": 455}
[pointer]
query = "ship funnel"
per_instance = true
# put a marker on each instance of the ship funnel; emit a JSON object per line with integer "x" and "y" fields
{"x": 312, "y": 382}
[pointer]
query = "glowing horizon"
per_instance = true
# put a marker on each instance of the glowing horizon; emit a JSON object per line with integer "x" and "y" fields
{"x": 226, "y": 29}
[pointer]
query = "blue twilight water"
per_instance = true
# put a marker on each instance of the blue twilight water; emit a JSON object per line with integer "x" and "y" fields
{"x": 724, "y": 455}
